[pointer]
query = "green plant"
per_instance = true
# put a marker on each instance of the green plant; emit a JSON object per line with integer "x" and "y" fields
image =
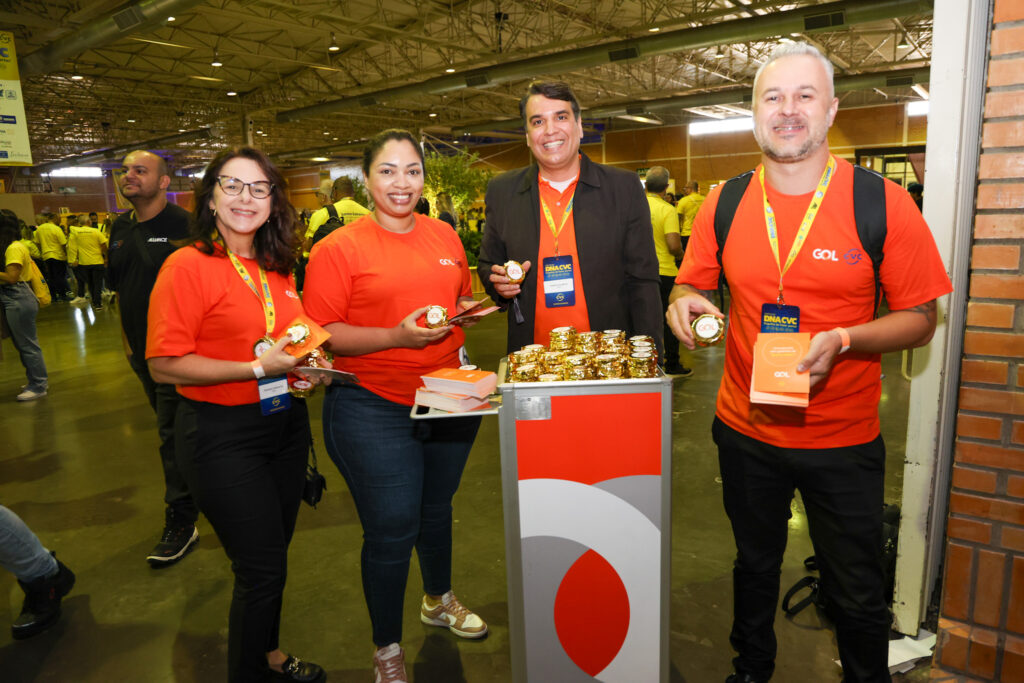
{"x": 471, "y": 243}
{"x": 457, "y": 176}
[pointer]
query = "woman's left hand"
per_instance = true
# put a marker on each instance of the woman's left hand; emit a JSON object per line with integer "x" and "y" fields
{"x": 464, "y": 303}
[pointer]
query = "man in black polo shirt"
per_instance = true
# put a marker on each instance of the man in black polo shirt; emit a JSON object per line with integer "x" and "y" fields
{"x": 140, "y": 240}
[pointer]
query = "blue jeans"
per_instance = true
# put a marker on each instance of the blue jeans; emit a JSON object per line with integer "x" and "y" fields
{"x": 21, "y": 553}
{"x": 402, "y": 474}
{"x": 20, "y": 307}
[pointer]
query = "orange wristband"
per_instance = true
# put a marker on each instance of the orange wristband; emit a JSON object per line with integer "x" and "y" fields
{"x": 844, "y": 338}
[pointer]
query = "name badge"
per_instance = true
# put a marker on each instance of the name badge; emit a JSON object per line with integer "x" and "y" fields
{"x": 274, "y": 396}
{"x": 776, "y": 318}
{"x": 559, "y": 289}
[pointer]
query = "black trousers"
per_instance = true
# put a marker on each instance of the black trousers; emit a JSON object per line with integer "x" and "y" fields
{"x": 246, "y": 471}
{"x": 842, "y": 492}
{"x": 93, "y": 276}
{"x": 671, "y": 343}
{"x": 57, "y": 278}
{"x": 164, "y": 399}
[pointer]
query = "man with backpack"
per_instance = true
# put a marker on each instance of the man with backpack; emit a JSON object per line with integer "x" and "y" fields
{"x": 343, "y": 211}
{"x": 797, "y": 253}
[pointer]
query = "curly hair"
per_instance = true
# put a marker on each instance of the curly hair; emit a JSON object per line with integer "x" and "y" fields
{"x": 276, "y": 243}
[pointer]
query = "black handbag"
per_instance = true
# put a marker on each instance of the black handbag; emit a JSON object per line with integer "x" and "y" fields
{"x": 315, "y": 484}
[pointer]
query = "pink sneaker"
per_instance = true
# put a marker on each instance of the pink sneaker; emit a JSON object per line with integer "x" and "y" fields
{"x": 389, "y": 664}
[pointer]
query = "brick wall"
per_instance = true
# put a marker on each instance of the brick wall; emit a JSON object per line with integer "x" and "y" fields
{"x": 981, "y": 629}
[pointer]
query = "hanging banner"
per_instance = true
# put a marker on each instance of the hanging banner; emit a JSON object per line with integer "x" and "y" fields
{"x": 14, "y": 144}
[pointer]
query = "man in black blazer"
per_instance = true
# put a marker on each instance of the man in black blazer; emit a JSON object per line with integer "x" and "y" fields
{"x": 605, "y": 242}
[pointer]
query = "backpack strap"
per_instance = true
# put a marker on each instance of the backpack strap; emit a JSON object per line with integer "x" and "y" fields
{"x": 869, "y": 213}
{"x": 332, "y": 213}
{"x": 725, "y": 210}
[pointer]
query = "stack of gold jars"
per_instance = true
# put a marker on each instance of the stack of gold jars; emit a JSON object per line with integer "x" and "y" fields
{"x": 604, "y": 354}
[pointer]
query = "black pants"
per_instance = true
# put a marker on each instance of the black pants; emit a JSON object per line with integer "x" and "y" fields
{"x": 842, "y": 492}
{"x": 93, "y": 276}
{"x": 246, "y": 471}
{"x": 671, "y": 343}
{"x": 57, "y": 278}
{"x": 181, "y": 509}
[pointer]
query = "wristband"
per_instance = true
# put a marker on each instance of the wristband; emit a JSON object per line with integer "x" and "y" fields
{"x": 257, "y": 369}
{"x": 844, "y": 338}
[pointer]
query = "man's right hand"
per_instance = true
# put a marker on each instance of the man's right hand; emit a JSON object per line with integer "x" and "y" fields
{"x": 502, "y": 286}
{"x": 686, "y": 305}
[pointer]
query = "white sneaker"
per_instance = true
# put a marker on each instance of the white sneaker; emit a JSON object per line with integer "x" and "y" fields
{"x": 453, "y": 615}
{"x": 29, "y": 395}
{"x": 79, "y": 300}
{"x": 389, "y": 664}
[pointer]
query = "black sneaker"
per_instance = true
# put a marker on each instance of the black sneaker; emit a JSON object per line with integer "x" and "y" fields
{"x": 42, "y": 602}
{"x": 177, "y": 540}
{"x": 297, "y": 671}
{"x": 678, "y": 370}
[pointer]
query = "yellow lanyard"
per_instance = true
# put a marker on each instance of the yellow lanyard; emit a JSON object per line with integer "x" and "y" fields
{"x": 805, "y": 225}
{"x": 267, "y": 299}
{"x": 555, "y": 232}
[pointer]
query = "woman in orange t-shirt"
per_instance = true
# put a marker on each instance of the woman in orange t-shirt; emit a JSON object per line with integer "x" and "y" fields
{"x": 241, "y": 439}
{"x": 368, "y": 284}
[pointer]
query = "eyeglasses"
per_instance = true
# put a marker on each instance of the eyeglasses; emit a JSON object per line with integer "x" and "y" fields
{"x": 260, "y": 189}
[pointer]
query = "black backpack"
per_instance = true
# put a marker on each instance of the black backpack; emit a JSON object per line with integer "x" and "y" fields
{"x": 334, "y": 221}
{"x": 890, "y": 541}
{"x": 868, "y": 212}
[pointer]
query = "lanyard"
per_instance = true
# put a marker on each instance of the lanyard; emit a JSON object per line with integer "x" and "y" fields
{"x": 805, "y": 224}
{"x": 555, "y": 232}
{"x": 266, "y": 299}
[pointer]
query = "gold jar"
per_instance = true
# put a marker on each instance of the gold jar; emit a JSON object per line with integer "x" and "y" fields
{"x": 516, "y": 359}
{"x": 588, "y": 342}
{"x": 610, "y": 366}
{"x": 528, "y": 372}
{"x": 643, "y": 365}
{"x": 707, "y": 329}
{"x": 534, "y": 351}
{"x": 436, "y": 316}
{"x": 579, "y": 372}
{"x": 549, "y": 377}
{"x": 552, "y": 361}
{"x": 562, "y": 338}
{"x": 641, "y": 338}
{"x": 514, "y": 272}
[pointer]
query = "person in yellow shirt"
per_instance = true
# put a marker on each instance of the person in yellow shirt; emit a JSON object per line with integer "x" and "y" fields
{"x": 668, "y": 248}
{"x": 52, "y": 241}
{"x": 687, "y": 208}
{"x": 87, "y": 254}
{"x": 347, "y": 208}
{"x": 21, "y": 306}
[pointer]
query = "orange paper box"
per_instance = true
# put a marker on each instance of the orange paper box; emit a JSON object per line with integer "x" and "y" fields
{"x": 317, "y": 336}
{"x": 775, "y": 379}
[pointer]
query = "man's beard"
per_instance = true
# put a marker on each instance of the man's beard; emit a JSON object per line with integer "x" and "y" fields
{"x": 812, "y": 143}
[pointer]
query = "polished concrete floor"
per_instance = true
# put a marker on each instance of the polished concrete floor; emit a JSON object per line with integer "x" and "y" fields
{"x": 80, "y": 466}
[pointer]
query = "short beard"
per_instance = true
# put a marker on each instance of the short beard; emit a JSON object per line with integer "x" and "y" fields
{"x": 809, "y": 146}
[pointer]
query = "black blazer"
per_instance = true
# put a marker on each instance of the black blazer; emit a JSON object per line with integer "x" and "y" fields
{"x": 614, "y": 240}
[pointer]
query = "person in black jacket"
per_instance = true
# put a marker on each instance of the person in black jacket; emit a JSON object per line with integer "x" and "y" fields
{"x": 581, "y": 230}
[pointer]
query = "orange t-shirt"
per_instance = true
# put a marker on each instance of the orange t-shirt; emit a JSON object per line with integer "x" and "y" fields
{"x": 200, "y": 305}
{"x": 367, "y": 276}
{"x": 545, "y": 319}
{"x": 831, "y": 281}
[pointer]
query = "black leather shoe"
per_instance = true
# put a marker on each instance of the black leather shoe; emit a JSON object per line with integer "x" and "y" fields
{"x": 298, "y": 671}
{"x": 744, "y": 678}
{"x": 42, "y": 602}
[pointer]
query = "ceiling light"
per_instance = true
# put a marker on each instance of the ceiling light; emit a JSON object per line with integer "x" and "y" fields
{"x": 449, "y": 70}
{"x": 642, "y": 118}
{"x": 216, "y": 60}
{"x": 231, "y": 93}
{"x": 319, "y": 159}
{"x": 327, "y": 132}
{"x": 903, "y": 42}
{"x": 77, "y": 77}
{"x": 181, "y": 130}
{"x": 785, "y": 39}
{"x": 129, "y": 120}
{"x": 259, "y": 132}
{"x": 333, "y": 47}
{"x": 920, "y": 90}
{"x": 170, "y": 18}
{"x": 654, "y": 29}
{"x": 432, "y": 115}
{"x": 334, "y": 138}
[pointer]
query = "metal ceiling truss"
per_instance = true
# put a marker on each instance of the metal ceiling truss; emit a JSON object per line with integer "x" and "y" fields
{"x": 84, "y": 80}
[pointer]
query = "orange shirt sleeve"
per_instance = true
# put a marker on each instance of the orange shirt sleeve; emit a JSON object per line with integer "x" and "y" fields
{"x": 175, "y": 309}
{"x": 700, "y": 268}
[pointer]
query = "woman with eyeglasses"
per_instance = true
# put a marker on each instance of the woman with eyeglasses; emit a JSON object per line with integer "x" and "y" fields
{"x": 369, "y": 285}
{"x": 242, "y": 440}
